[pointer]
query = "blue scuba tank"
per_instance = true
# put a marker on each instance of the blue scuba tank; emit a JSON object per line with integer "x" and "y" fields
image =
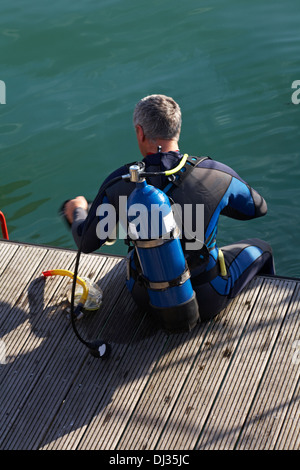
{"x": 163, "y": 268}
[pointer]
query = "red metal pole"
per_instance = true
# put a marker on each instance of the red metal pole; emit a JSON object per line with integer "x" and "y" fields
{"x": 3, "y": 226}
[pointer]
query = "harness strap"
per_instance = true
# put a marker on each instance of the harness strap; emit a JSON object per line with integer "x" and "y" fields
{"x": 178, "y": 281}
{"x": 206, "y": 276}
{"x": 202, "y": 278}
{"x": 137, "y": 275}
{"x": 178, "y": 178}
{"x": 219, "y": 269}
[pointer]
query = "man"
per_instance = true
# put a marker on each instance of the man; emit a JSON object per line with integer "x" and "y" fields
{"x": 221, "y": 191}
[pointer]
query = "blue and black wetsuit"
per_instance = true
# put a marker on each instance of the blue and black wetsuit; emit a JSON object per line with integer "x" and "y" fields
{"x": 222, "y": 192}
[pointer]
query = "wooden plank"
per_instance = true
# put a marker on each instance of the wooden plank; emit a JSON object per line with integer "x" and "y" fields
{"x": 17, "y": 275}
{"x": 92, "y": 402}
{"x": 234, "y": 398}
{"x": 52, "y": 372}
{"x": 15, "y": 282}
{"x": 138, "y": 364}
{"x": 26, "y": 342}
{"x": 7, "y": 251}
{"x": 289, "y": 436}
{"x": 210, "y": 367}
{"x": 276, "y": 404}
{"x": 162, "y": 389}
{"x": 140, "y": 391}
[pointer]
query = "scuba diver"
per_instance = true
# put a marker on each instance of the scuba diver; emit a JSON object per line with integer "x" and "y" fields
{"x": 217, "y": 274}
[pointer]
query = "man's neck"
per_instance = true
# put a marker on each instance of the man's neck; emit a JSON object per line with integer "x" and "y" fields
{"x": 163, "y": 146}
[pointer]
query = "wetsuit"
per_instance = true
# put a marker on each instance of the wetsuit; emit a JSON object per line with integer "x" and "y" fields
{"x": 221, "y": 191}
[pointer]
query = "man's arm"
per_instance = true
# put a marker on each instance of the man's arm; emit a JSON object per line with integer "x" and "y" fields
{"x": 90, "y": 241}
{"x": 76, "y": 211}
{"x": 244, "y": 202}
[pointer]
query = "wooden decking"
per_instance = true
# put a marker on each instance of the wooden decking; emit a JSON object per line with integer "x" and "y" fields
{"x": 232, "y": 383}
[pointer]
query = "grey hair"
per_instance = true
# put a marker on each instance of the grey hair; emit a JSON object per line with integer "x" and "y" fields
{"x": 159, "y": 116}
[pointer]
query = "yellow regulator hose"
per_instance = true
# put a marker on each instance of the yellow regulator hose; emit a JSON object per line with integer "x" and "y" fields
{"x": 178, "y": 167}
{"x": 65, "y": 272}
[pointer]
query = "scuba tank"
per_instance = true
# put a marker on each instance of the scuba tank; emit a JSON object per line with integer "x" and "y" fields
{"x": 163, "y": 268}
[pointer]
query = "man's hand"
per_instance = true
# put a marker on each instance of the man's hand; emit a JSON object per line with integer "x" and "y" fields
{"x": 71, "y": 205}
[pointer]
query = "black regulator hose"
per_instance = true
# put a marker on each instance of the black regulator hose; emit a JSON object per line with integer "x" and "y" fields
{"x": 97, "y": 348}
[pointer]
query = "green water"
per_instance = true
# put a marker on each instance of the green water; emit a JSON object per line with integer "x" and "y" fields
{"x": 74, "y": 70}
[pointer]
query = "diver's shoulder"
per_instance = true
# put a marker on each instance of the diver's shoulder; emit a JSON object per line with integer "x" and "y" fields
{"x": 212, "y": 164}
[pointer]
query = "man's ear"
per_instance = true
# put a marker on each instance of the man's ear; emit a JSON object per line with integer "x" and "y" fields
{"x": 140, "y": 133}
